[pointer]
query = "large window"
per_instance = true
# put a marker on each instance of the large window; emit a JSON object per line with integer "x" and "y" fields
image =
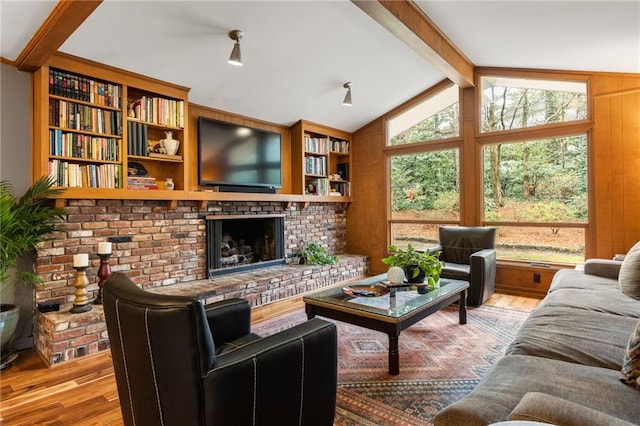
{"x": 425, "y": 181}
{"x": 516, "y": 103}
{"x": 535, "y": 191}
{"x": 437, "y": 117}
{"x": 538, "y": 182}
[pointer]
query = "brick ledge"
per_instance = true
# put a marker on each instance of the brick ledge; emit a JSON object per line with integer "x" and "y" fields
{"x": 63, "y": 336}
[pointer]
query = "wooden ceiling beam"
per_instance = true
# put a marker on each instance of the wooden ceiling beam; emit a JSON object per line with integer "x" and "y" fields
{"x": 65, "y": 18}
{"x": 405, "y": 20}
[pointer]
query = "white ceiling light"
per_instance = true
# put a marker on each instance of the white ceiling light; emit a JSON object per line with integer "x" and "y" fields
{"x": 347, "y": 97}
{"x": 236, "y": 56}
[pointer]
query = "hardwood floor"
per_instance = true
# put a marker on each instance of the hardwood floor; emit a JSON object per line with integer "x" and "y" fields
{"x": 83, "y": 391}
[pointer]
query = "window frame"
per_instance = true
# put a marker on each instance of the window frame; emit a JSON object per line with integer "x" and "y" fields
{"x": 564, "y": 129}
{"x": 422, "y": 147}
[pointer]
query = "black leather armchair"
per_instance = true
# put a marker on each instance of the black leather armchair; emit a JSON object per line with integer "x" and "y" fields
{"x": 469, "y": 255}
{"x": 178, "y": 362}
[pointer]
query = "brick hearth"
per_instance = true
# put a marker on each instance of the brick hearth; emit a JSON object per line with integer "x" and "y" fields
{"x": 166, "y": 254}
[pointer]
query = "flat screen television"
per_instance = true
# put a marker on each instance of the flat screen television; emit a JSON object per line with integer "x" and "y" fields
{"x": 238, "y": 158}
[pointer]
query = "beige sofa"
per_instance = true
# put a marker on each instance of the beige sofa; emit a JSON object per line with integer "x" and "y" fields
{"x": 564, "y": 365}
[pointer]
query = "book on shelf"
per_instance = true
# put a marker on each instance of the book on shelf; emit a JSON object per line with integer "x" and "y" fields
{"x": 339, "y": 146}
{"x": 141, "y": 182}
{"x": 73, "y": 175}
{"x": 316, "y": 145}
{"x": 84, "y": 89}
{"x": 137, "y": 138}
{"x": 157, "y": 110}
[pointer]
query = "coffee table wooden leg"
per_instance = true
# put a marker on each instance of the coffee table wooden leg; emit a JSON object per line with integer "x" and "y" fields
{"x": 394, "y": 355}
{"x": 462, "y": 307}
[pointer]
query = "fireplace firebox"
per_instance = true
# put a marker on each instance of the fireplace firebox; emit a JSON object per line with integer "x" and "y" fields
{"x": 238, "y": 243}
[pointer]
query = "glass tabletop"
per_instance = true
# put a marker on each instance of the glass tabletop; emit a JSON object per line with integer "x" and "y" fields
{"x": 406, "y": 299}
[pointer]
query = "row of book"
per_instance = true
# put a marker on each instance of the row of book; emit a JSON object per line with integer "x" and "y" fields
{"x": 70, "y": 115}
{"x": 78, "y": 145}
{"x": 325, "y": 145}
{"x": 340, "y": 188}
{"x": 137, "y": 138}
{"x": 141, "y": 182}
{"x": 338, "y": 145}
{"x": 316, "y": 145}
{"x": 315, "y": 165}
{"x": 318, "y": 186}
{"x": 84, "y": 89}
{"x": 85, "y": 175}
{"x": 166, "y": 112}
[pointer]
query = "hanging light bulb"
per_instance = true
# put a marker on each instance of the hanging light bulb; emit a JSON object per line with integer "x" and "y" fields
{"x": 236, "y": 56}
{"x": 347, "y": 97}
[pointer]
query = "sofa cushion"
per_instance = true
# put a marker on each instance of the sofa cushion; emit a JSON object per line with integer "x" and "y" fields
{"x": 631, "y": 362}
{"x": 610, "y": 301}
{"x": 629, "y": 277}
{"x": 574, "y": 335}
{"x": 513, "y": 376}
{"x": 575, "y": 279}
{"x": 540, "y": 407}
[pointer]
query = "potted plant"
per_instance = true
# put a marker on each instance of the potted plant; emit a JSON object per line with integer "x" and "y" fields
{"x": 419, "y": 266}
{"x": 25, "y": 222}
{"x": 313, "y": 253}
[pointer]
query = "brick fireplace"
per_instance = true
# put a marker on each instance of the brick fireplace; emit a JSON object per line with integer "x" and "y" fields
{"x": 243, "y": 242}
{"x": 162, "y": 250}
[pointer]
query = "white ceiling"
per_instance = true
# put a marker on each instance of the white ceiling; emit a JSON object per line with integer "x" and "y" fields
{"x": 298, "y": 54}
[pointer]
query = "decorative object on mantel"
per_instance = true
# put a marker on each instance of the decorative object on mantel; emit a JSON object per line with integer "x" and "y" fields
{"x": 169, "y": 144}
{"x": 104, "y": 271}
{"x": 168, "y": 183}
{"x": 25, "y": 222}
{"x": 418, "y": 266}
{"x": 81, "y": 303}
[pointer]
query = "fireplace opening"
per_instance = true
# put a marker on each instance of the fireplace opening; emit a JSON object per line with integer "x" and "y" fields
{"x": 237, "y": 243}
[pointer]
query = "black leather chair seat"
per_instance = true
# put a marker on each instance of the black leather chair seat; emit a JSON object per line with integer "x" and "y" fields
{"x": 456, "y": 271}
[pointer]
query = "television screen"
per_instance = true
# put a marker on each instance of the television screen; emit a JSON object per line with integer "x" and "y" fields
{"x": 231, "y": 154}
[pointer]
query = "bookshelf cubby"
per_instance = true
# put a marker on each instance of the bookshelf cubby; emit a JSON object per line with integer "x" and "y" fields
{"x": 321, "y": 160}
{"x": 93, "y": 123}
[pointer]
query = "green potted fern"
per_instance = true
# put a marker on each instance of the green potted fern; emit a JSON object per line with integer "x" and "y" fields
{"x": 419, "y": 266}
{"x": 25, "y": 222}
{"x": 313, "y": 253}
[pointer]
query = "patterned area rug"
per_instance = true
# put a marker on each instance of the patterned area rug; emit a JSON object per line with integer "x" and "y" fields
{"x": 440, "y": 361}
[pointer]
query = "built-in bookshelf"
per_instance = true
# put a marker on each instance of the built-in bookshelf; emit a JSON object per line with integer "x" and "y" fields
{"x": 95, "y": 126}
{"x": 321, "y": 160}
{"x": 85, "y": 131}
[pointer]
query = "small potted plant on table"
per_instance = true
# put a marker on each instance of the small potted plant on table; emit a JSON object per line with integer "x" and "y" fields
{"x": 419, "y": 266}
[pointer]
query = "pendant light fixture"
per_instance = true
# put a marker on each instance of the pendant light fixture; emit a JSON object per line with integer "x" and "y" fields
{"x": 236, "y": 56}
{"x": 347, "y": 97}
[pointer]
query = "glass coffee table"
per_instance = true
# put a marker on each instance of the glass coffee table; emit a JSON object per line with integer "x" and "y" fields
{"x": 374, "y": 304}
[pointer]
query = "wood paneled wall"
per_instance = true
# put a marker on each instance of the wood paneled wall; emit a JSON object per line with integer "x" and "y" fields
{"x": 616, "y": 165}
{"x": 615, "y": 174}
{"x": 196, "y": 111}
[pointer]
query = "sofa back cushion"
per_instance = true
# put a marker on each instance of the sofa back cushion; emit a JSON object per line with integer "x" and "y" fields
{"x": 629, "y": 278}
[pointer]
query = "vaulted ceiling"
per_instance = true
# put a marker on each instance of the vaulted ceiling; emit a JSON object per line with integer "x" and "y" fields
{"x": 298, "y": 54}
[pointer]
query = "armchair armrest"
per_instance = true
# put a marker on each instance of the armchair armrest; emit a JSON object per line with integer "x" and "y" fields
{"x": 602, "y": 267}
{"x": 293, "y": 368}
{"x": 483, "y": 274}
{"x": 228, "y": 319}
{"x": 541, "y": 407}
{"x": 435, "y": 249}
